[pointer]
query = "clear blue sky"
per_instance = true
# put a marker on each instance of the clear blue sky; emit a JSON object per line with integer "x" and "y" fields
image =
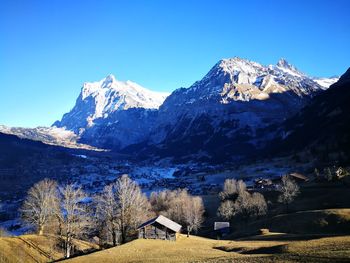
{"x": 49, "y": 48}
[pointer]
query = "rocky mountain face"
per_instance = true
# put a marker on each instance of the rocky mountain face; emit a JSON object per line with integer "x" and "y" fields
{"x": 112, "y": 114}
{"x": 120, "y": 129}
{"x": 322, "y": 127}
{"x": 236, "y": 110}
{"x": 224, "y": 115}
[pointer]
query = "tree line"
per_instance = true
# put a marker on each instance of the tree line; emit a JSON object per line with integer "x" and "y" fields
{"x": 112, "y": 215}
{"x": 236, "y": 201}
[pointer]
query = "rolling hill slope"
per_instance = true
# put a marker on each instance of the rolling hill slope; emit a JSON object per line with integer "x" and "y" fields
{"x": 34, "y": 248}
{"x": 196, "y": 249}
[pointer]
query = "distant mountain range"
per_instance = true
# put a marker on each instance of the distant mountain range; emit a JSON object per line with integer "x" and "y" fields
{"x": 236, "y": 110}
{"x": 223, "y": 115}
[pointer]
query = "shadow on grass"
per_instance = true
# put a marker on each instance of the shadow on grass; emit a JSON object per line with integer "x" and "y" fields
{"x": 78, "y": 254}
{"x": 278, "y": 249}
{"x": 286, "y": 237}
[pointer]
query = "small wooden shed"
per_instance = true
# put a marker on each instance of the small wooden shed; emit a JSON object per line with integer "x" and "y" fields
{"x": 221, "y": 228}
{"x": 159, "y": 227}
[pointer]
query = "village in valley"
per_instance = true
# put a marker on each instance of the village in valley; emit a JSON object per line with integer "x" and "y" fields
{"x": 175, "y": 202}
{"x": 92, "y": 173}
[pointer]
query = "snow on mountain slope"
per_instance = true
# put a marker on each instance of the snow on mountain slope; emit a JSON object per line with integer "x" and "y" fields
{"x": 326, "y": 82}
{"x": 48, "y": 135}
{"x": 112, "y": 95}
{"x": 283, "y": 65}
{"x": 238, "y": 79}
{"x": 229, "y": 107}
{"x": 279, "y": 89}
{"x": 229, "y": 111}
{"x": 100, "y": 99}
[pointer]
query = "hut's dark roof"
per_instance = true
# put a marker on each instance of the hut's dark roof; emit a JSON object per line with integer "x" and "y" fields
{"x": 299, "y": 176}
{"x": 163, "y": 221}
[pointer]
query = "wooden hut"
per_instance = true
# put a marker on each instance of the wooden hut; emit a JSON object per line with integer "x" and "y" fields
{"x": 221, "y": 228}
{"x": 159, "y": 228}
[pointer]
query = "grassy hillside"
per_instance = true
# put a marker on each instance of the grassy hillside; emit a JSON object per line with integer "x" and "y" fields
{"x": 326, "y": 249}
{"x": 34, "y": 248}
{"x": 183, "y": 250}
{"x": 327, "y": 221}
{"x": 274, "y": 247}
{"x": 196, "y": 249}
{"x": 321, "y": 208}
{"x": 315, "y": 229}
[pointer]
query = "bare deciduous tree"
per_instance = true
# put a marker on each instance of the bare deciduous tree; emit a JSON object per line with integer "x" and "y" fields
{"x": 132, "y": 205}
{"x": 226, "y": 210}
{"x": 241, "y": 187}
{"x": 328, "y": 174}
{"x": 194, "y": 210}
{"x": 107, "y": 211}
{"x": 40, "y": 204}
{"x": 241, "y": 202}
{"x": 179, "y": 206}
{"x": 73, "y": 215}
{"x": 160, "y": 201}
{"x": 341, "y": 172}
{"x": 121, "y": 207}
{"x": 242, "y": 205}
{"x": 258, "y": 205}
{"x": 232, "y": 188}
{"x": 289, "y": 190}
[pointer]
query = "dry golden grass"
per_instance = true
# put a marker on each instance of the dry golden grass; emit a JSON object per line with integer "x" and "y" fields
{"x": 183, "y": 250}
{"x": 326, "y": 221}
{"x": 273, "y": 247}
{"x": 196, "y": 249}
{"x": 34, "y": 248}
{"x": 330, "y": 247}
{"x": 13, "y": 249}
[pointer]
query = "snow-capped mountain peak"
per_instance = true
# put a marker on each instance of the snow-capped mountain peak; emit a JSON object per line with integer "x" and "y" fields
{"x": 283, "y": 63}
{"x": 288, "y": 68}
{"x": 110, "y": 78}
{"x": 237, "y": 79}
{"x": 114, "y": 94}
{"x": 231, "y": 104}
{"x": 235, "y": 70}
{"x": 236, "y": 95}
{"x": 101, "y": 98}
{"x": 237, "y": 64}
